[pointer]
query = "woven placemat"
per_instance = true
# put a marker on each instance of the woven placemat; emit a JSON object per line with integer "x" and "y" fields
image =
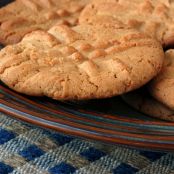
{"x": 27, "y": 149}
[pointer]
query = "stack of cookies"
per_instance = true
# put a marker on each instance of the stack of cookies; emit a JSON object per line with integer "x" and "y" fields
{"x": 91, "y": 49}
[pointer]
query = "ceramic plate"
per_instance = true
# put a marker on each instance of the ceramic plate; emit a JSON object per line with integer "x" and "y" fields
{"x": 109, "y": 120}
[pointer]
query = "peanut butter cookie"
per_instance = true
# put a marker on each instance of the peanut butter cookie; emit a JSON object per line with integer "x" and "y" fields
{"x": 23, "y": 16}
{"x": 162, "y": 87}
{"x": 154, "y": 17}
{"x": 143, "y": 102}
{"x": 83, "y": 62}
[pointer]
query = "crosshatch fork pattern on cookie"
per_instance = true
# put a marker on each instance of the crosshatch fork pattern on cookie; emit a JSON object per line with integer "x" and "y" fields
{"x": 152, "y": 17}
{"x": 23, "y": 16}
{"x": 83, "y": 62}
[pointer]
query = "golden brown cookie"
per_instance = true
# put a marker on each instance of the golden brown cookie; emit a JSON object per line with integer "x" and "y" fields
{"x": 155, "y": 17}
{"x": 143, "y": 102}
{"x": 162, "y": 87}
{"x": 83, "y": 62}
{"x": 23, "y": 16}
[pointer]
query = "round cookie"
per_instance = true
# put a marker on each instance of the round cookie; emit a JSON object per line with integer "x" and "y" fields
{"x": 143, "y": 102}
{"x": 162, "y": 87}
{"x": 23, "y": 16}
{"x": 154, "y": 17}
{"x": 83, "y": 62}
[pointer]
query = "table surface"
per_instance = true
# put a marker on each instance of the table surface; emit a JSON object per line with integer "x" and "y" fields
{"x": 27, "y": 149}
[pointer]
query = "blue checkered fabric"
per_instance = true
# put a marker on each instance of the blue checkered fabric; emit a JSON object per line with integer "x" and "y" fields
{"x": 26, "y": 149}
